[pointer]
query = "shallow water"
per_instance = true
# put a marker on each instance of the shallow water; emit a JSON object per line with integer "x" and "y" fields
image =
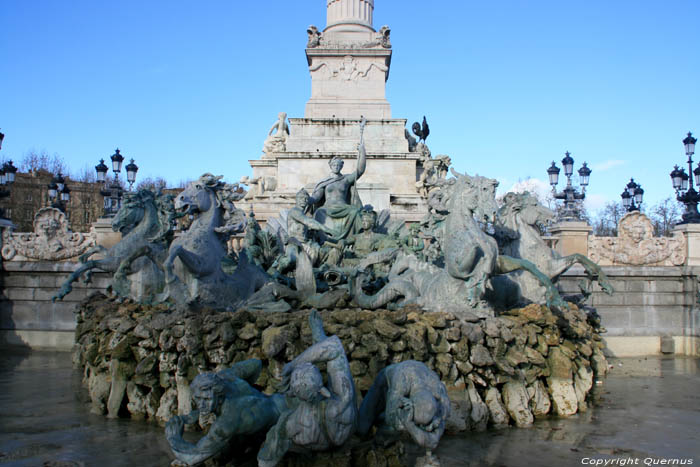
{"x": 647, "y": 409}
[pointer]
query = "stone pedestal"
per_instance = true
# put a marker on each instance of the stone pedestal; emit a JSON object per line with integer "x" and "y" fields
{"x": 106, "y": 237}
{"x": 349, "y": 66}
{"x": 691, "y": 232}
{"x": 573, "y": 237}
{"x": 348, "y": 83}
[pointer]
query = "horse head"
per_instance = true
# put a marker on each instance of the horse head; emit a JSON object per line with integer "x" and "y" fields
{"x": 132, "y": 211}
{"x": 200, "y": 195}
{"x": 474, "y": 195}
{"x": 526, "y": 208}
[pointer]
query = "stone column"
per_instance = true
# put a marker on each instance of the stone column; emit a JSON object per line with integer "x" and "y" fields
{"x": 691, "y": 232}
{"x": 105, "y": 235}
{"x": 340, "y": 12}
{"x": 573, "y": 237}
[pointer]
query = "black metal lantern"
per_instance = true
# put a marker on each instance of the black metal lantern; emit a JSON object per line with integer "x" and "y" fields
{"x": 101, "y": 170}
{"x": 689, "y": 143}
{"x": 3, "y": 176}
{"x": 53, "y": 189}
{"x": 553, "y": 173}
{"x": 683, "y": 184}
{"x": 684, "y": 180}
{"x": 10, "y": 171}
{"x": 2, "y": 137}
{"x": 584, "y": 173}
{"x": 568, "y": 163}
{"x": 65, "y": 194}
{"x": 676, "y": 178}
{"x": 117, "y": 160}
{"x": 626, "y": 199}
{"x": 570, "y": 195}
{"x": 113, "y": 191}
{"x": 60, "y": 182}
{"x": 632, "y": 196}
{"x": 131, "y": 170}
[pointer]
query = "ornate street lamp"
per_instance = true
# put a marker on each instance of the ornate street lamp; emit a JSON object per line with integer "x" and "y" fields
{"x": 117, "y": 160}
{"x": 65, "y": 195}
{"x": 7, "y": 177}
{"x": 131, "y": 170}
{"x": 570, "y": 195}
{"x": 59, "y": 193}
{"x": 101, "y": 170}
{"x": 632, "y": 196}
{"x": 683, "y": 184}
{"x": 113, "y": 191}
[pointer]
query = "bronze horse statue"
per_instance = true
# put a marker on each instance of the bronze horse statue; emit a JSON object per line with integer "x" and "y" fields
{"x": 143, "y": 220}
{"x": 518, "y": 236}
{"x": 192, "y": 268}
{"x": 471, "y": 258}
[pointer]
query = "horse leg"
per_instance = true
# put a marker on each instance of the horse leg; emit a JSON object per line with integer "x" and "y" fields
{"x": 462, "y": 266}
{"x": 506, "y": 264}
{"x": 195, "y": 263}
{"x": 173, "y": 253}
{"x": 595, "y": 271}
{"x": 120, "y": 284}
{"x": 67, "y": 287}
{"x": 124, "y": 267}
{"x": 592, "y": 270}
{"x": 95, "y": 249}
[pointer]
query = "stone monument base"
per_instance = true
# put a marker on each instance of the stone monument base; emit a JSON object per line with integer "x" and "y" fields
{"x": 138, "y": 361}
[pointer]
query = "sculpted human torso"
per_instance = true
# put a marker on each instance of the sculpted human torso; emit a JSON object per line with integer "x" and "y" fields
{"x": 337, "y": 192}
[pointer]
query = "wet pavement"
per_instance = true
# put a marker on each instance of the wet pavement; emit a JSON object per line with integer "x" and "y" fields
{"x": 647, "y": 413}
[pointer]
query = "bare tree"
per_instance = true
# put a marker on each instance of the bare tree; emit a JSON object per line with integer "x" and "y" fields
{"x": 34, "y": 161}
{"x": 605, "y": 223}
{"x": 86, "y": 175}
{"x": 152, "y": 183}
{"x": 664, "y": 215}
{"x": 183, "y": 183}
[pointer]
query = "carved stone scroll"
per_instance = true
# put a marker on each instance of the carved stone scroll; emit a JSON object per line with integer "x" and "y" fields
{"x": 51, "y": 240}
{"x": 636, "y": 245}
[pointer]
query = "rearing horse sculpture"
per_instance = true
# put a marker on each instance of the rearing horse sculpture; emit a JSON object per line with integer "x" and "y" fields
{"x": 471, "y": 258}
{"x": 519, "y": 237}
{"x": 192, "y": 268}
{"x": 142, "y": 222}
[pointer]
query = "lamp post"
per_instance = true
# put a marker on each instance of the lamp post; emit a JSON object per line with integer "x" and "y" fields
{"x": 570, "y": 195}
{"x": 7, "y": 177}
{"x": 632, "y": 196}
{"x": 683, "y": 184}
{"x": 113, "y": 191}
{"x": 59, "y": 193}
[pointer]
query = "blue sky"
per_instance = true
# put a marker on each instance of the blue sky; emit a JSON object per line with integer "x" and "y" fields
{"x": 507, "y": 86}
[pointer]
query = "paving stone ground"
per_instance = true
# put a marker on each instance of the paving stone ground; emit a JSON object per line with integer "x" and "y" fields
{"x": 648, "y": 410}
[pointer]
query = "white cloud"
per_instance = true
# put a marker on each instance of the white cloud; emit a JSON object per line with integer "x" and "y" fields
{"x": 539, "y": 187}
{"x": 607, "y": 165}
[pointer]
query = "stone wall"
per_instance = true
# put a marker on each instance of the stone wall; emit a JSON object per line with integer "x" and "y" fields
{"x": 138, "y": 361}
{"x": 653, "y": 310}
{"x": 28, "y": 316}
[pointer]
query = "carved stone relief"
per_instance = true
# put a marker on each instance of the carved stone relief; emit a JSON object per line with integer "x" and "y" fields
{"x": 636, "y": 245}
{"x": 349, "y": 69}
{"x": 51, "y": 240}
